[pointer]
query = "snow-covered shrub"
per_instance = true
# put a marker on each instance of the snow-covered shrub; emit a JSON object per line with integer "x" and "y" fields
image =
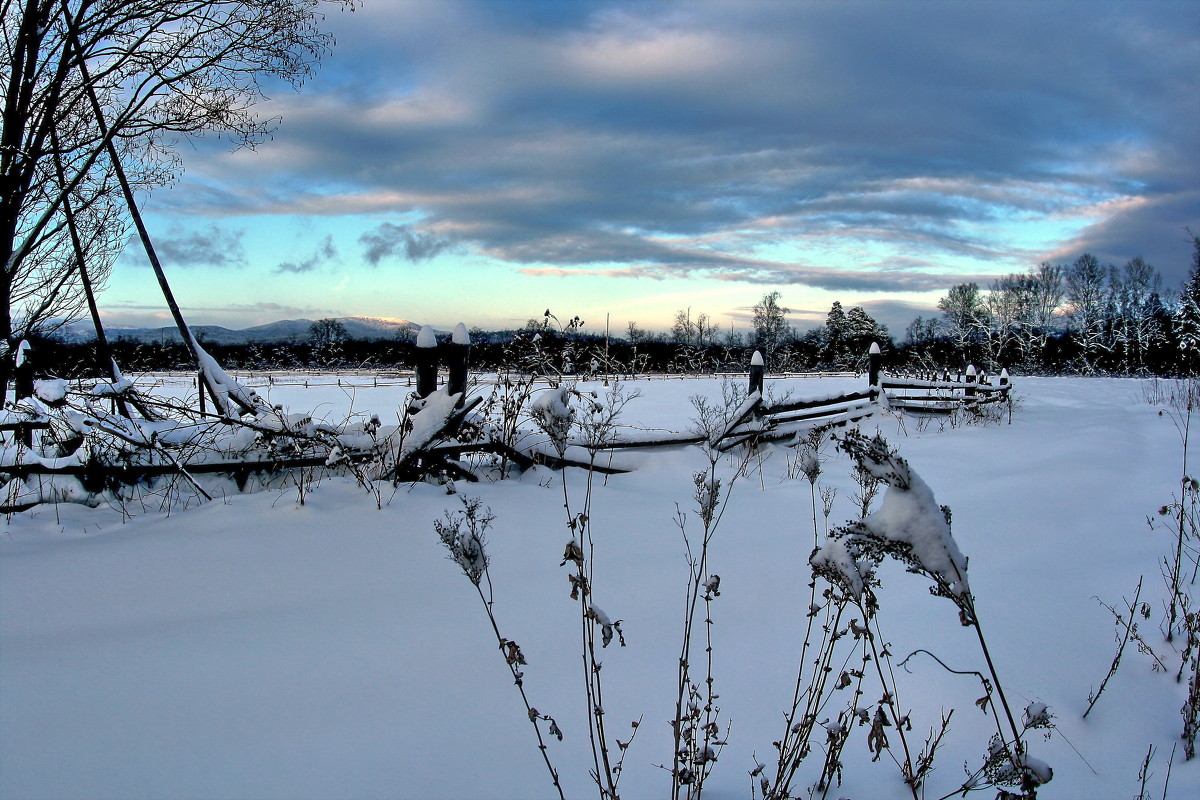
{"x": 553, "y": 413}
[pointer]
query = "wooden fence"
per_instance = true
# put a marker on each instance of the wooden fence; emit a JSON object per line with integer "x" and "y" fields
{"x": 44, "y": 439}
{"x": 757, "y": 420}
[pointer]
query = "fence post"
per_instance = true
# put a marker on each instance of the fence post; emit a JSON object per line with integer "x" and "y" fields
{"x": 23, "y": 386}
{"x": 969, "y": 391}
{"x": 874, "y": 362}
{"x": 757, "y": 370}
{"x": 1004, "y": 387}
{"x": 425, "y": 356}
{"x": 456, "y": 360}
{"x": 23, "y": 374}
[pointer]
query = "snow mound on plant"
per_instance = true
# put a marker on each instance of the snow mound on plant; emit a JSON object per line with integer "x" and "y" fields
{"x": 909, "y": 525}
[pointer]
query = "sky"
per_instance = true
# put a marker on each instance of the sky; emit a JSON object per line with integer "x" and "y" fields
{"x": 484, "y": 160}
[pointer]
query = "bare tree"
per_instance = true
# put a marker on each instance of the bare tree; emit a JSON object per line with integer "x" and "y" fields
{"x": 1048, "y": 294}
{"x": 683, "y": 332}
{"x": 1087, "y": 301}
{"x": 1137, "y": 292}
{"x": 966, "y": 315}
{"x": 327, "y": 331}
{"x": 770, "y": 324}
{"x": 85, "y": 81}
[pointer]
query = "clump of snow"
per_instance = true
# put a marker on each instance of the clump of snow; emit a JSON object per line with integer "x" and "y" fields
{"x": 1037, "y": 715}
{"x": 461, "y": 335}
{"x": 462, "y": 534}
{"x": 51, "y": 391}
{"x": 426, "y": 338}
{"x": 428, "y": 420}
{"x": 111, "y": 388}
{"x": 909, "y": 525}
{"x": 231, "y": 397}
{"x": 607, "y": 626}
{"x": 837, "y": 561}
{"x": 117, "y": 386}
{"x": 1005, "y": 768}
{"x": 553, "y": 413}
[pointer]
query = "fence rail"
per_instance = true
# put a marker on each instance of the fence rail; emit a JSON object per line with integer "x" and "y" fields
{"x": 757, "y": 421}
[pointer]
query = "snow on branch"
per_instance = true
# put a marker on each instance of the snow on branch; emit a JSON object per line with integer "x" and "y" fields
{"x": 909, "y": 526}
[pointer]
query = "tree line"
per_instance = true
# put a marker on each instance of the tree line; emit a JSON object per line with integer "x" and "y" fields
{"x": 1077, "y": 318}
{"x": 1082, "y": 318}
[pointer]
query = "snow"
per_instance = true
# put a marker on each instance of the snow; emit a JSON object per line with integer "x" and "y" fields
{"x": 434, "y": 411}
{"x": 111, "y": 388}
{"x": 461, "y": 335}
{"x": 254, "y": 647}
{"x": 553, "y": 413}
{"x": 909, "y": 516}
{"x": 426, "y": 337}
{"x": 117, "y": 386}
{"x": 50, "y": 391}
{"x": 231, "y": 397}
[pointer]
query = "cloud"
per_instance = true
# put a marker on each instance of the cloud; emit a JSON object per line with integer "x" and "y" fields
{"x": 388, "y": 240}
{"x": 1153, "y": 228}
{"x": 678, "y": 138}
{"x": 768, "y": 273}
{"x": 207, "y": 247}
{"x": 324, "y": 253}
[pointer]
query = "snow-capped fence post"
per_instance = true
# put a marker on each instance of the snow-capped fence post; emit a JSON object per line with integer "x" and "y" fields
{"x": 874, "y": 362}
{"x": 757, "y": 371}
{"x": 456, "y": 360}
{"x": 969, "y": 391}
{"x": 23, "y": 386}
{"x": 1005, "y": 385}
{"x": 425, "y": 358}
{"x": 23, "y": 374}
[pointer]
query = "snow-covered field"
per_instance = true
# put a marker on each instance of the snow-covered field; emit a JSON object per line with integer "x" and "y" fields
{"x": 256, "y": 648}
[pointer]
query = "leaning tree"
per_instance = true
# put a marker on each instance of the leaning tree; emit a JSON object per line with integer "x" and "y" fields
{"x": 96, "y": 96}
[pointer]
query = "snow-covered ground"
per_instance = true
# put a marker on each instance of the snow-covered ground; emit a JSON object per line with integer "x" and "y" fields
{"x": 256, "y": 648}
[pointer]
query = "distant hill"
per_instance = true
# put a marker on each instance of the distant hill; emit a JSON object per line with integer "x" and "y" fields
{"x": 286, "y": 330}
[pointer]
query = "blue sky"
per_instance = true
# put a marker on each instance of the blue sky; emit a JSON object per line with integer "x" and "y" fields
{"x": 482, "y": 160}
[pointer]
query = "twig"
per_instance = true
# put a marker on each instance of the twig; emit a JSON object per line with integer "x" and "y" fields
{"x": 1116, "y": 662}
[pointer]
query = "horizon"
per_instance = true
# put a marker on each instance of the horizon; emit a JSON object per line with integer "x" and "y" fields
{"x": 635, "y": 160}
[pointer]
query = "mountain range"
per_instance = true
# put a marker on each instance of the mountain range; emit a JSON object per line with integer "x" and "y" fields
{"x": 285, "y": 330}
